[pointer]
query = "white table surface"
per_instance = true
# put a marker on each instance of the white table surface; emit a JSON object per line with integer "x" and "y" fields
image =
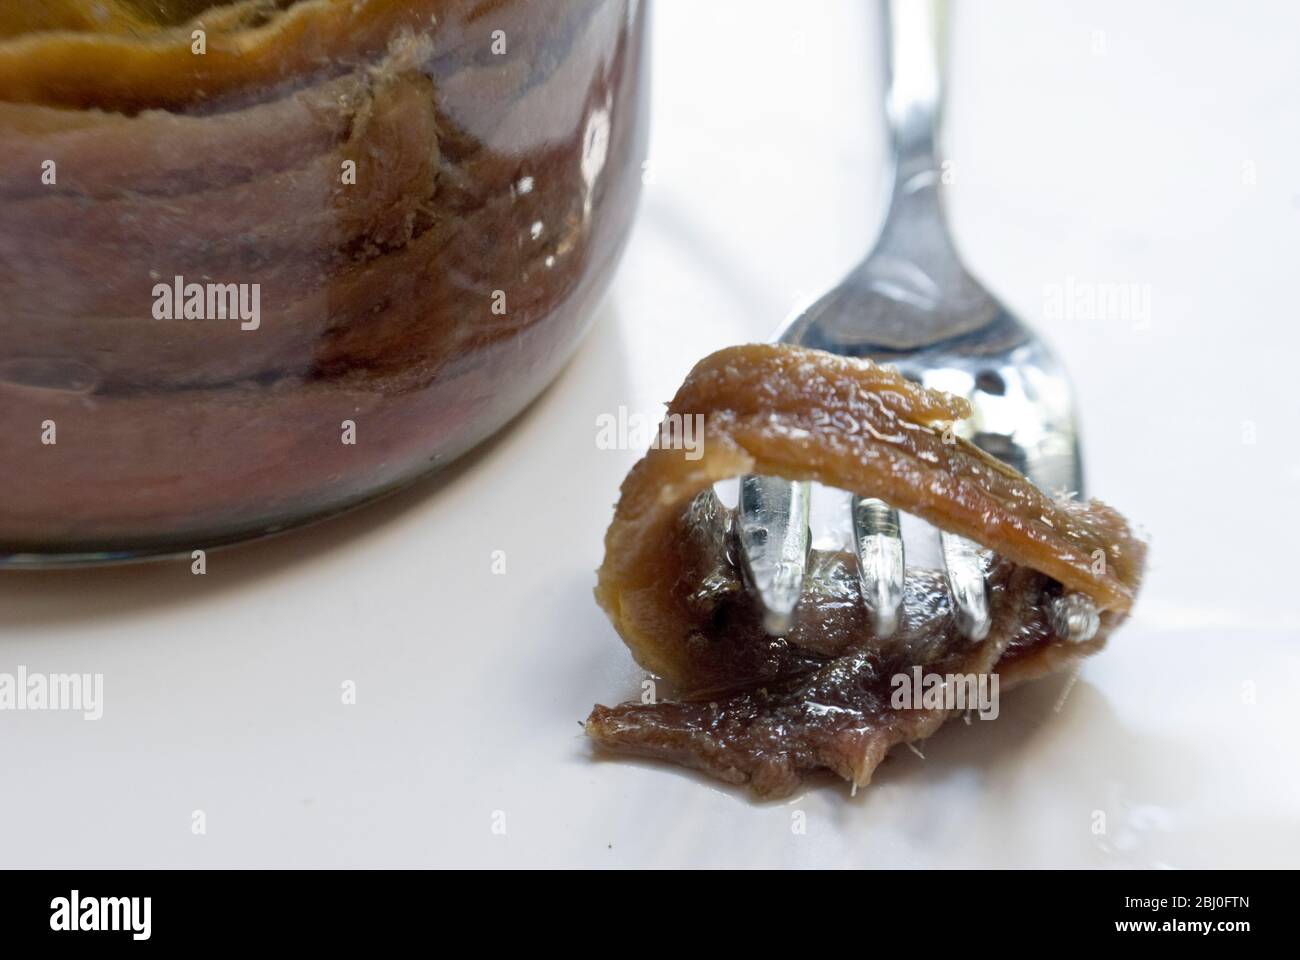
{"x": 1092, "y": 143}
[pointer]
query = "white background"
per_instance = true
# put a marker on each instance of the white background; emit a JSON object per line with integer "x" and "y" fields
{"x": 1102, "y": 142}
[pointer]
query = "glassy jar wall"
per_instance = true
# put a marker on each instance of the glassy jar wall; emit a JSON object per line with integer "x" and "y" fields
{"x": 261, "y": 261}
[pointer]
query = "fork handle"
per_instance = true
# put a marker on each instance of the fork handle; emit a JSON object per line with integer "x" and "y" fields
{"x": 914, "y": 261}
{"x": 911, "y": 292}
{"x": 917, "y": 34}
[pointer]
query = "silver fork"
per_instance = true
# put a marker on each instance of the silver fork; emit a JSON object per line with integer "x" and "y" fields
{"x": 911, "y": 303}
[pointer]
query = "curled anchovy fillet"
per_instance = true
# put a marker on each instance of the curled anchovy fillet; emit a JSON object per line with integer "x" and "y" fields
{"x": 767, "y": 710}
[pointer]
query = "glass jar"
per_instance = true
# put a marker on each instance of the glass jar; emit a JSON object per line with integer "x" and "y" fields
{"x": 264, "y": 260}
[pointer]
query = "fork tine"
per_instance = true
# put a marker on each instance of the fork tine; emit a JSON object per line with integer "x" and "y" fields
{"x": 879, "y": 549}
{"x": 1074, "y": 617}
{"x": 970, "y": 601}
{"x": 772, "y": 530}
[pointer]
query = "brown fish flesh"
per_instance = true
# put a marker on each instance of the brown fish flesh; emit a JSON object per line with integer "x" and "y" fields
{"x": 768, "y": 710}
